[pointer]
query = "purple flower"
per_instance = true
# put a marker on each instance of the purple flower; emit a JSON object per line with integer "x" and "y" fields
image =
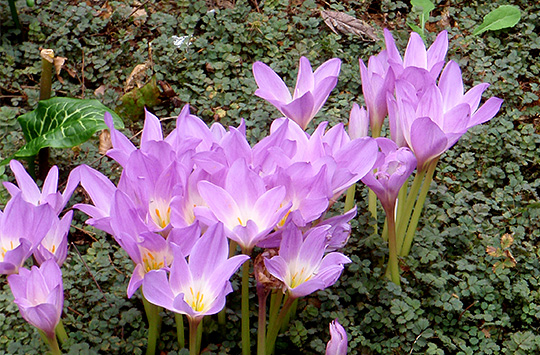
{"x": 247, "y": 209}
{"x": 358, "y": 122}
{"x": 148, "y": 250}
{"x": 312, "y": 89}
{"x": 393, "y": 168}
{"x": 416, "y": 55}
{"x": 55, "y": 244}
{"x": 40, "y": 296}
{"x": 377, "y": 80}
{"x": 30, "y": 191}
{"x": 22, "y": 227}
{"x": 431, "y": 118}
{"x": 338, "y": 341}
{"x": 199, "y": 286}
{"x": 300, "y": 264}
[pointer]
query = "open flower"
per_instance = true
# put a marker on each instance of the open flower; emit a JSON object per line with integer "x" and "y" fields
{"x": 312, "y": 89}
{"x": 22, "y": 227}
{"x": 31, "y": 193}
{"x": 300, "y": 264}
{"x": 196, "y": 287}
{"x": 40, "y": 295}
{"x": 392, "y": 169}
{"x": 247, "y": 209}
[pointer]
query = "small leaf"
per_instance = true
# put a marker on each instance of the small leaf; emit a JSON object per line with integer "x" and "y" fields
{"x": 62, "y": 122}
{"x": 510, "y": 260}
{"x": 503, "y": 17}
{"x": 507, "y": 240}
{"x": 492, "y": 251}
{"x": 425, "y": 5}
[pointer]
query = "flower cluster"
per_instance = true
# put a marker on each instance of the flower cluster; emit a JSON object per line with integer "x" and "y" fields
{"x": 185, "y": 199}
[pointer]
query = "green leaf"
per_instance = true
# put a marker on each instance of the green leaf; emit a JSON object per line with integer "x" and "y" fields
{"x": 62, "y": 122}
{"x": 426, "y": 6}
{"x": 503, "y": 17}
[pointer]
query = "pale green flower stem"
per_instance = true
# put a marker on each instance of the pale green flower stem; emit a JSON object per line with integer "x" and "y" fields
{"x": 61, "y": 332}
{"x": 180, "y": 330}
{"x": 290, "y": 315}
{"x": 273, "y": 329}
{"x": 154, "y": 325}
{"x": 194, "y": 339}
{"x": 372, "y": 207}
{"x": 261, "y": 330}
{"x": 53, "y": 343}
{"x": 411, "y": 230}
{"x": 407, "y": 210}
{"x": 245, "y": 308}
{"x": 349, "y": 198}
{"x": 393, "y": 262}
{"x": 275, "y": 303}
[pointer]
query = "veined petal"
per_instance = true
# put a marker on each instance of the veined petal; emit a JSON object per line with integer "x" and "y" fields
{"x": 300, "y": 110}
{"x": 322, "y": 91}
{"x": 305, "y": 81}
{"x": 437, "y": 51}
{"x": 451, "y": 85}
{"x": 415, "y": 54}
{"x": 50, "y": 185}
{"x": 474, "y": 95}
{"x": 152, "y": 128}
{"x": 307, "y": 287}
{"x": 277, "y": 267}
{"x": 486, "y": 112}
{"x": 42, "y": 316}
{"x": 269, "y": 82}
{"x": 428, "y": 141}
{"x": 26, "y": 184}
{"x": 210, "y": 251}
{"x": 220, "y": 202}
{"x": 156, "y": 289}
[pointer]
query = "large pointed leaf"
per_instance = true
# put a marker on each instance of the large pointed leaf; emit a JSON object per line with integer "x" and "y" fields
{"x": 502, "y": 17}
{"x": 62, "y": 122}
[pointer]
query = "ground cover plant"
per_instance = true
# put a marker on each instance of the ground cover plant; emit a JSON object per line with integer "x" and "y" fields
{"x": 470, "y": 282}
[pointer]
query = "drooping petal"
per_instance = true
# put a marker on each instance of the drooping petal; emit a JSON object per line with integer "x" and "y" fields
{"x": 428, "y": 141}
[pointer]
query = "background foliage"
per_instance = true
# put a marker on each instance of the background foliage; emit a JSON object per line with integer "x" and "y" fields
{"x": 451, "y": 301}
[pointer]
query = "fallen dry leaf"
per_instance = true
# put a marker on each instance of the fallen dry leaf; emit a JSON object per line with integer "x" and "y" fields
{"x": 58, "y": 63}
{"x": 344, "y": 23}
{"x": 136, "y": 78}
{"x": 104, "y": 141}
{"x": 100, "y": 90}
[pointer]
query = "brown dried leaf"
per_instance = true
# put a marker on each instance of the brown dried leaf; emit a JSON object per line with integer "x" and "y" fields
{"x": 344, "y": 23}
{"x": 105, "y": 141}
{"x": 58, "y": 63}
{"x": 492, "y": 251}
{"x": 510, "y": 260}
{"x": 47, "y": 54}
{"x": 136, "y": 78}
{"x": 486, "y": 332}
{"x": 507, "y": 240}
{"x": 100, "y": 90}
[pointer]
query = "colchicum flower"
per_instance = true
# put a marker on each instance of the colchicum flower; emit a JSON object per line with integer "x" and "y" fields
{"x": 300, "y": 264}
{"x": 30, "y": 191}
{"x": 198, "y": 286}
{"x": 338, "y": 341}
{"x": 392, "y": 169}
{"x": 40, "y": 295}
{"x": 312, "y": 89}
{"x": 22, "y": 227}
